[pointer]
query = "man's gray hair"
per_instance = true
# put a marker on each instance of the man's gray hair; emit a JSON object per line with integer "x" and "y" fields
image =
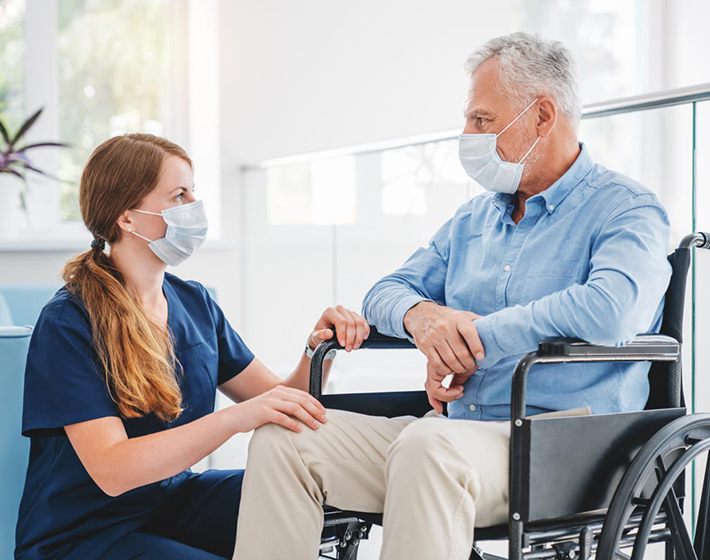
{"x": 529, "y": 66}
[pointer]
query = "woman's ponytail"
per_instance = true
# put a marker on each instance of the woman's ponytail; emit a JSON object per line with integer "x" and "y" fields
{"x": 137, "y": 356}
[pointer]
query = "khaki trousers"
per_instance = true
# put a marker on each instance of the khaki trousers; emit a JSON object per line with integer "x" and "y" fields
{"x": 434, "y": 478}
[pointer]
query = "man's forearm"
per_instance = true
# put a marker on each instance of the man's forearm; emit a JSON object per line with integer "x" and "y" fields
{"x": 387, "y": 304}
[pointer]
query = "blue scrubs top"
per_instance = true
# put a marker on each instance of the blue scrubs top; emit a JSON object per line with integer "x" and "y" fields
{"x": 63, "y": 513}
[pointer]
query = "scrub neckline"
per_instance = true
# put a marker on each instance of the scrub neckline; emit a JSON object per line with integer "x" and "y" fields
{"x": 166, "y": 289}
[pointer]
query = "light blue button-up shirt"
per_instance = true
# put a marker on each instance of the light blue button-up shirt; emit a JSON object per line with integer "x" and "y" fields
{"x": 588, "y": 260}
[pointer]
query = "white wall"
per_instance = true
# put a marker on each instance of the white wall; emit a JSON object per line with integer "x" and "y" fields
{"x": 309, "y": 75}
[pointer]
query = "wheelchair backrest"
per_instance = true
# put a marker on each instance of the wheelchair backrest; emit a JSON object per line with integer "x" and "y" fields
{"x": 662, "y": 379}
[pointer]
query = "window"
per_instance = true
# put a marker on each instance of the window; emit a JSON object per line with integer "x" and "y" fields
{"x": 113, "y": 59}
{"x": 12, "y": 58}
{"x": 102, "y": 68}
{"x": 318, "y": 193}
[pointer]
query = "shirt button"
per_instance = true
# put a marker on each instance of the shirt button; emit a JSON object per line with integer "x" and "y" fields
{"x": 472, "y": 407}
{"x": 551, "y": 207}
{"x": 506, "y": 268}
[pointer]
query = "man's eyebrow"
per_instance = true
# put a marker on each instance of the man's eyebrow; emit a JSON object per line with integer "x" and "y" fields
{"x": 475, "y": 112}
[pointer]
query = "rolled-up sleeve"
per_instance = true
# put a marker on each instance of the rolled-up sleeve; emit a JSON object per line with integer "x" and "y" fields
{"x": 629, "y": 273}
{"x": 421, "y": 278}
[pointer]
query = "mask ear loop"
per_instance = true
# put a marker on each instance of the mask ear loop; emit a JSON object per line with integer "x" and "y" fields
{"x": 530, "y": 150}
{"x": 142, "y": 237}
{"x": 516, "y": 118}
{"x": 144, "y": 212}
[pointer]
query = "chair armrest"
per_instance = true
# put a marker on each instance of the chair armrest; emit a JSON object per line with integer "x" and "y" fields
{"x": 644, "y": 344}
{"x": 376, "y": 341}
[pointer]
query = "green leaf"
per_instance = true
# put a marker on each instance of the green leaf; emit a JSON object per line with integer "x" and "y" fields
{"x": 4, "y": 133}
{"x": 28, "y": 123}
{"x": 39, "y": 144}
{"x": 30, "y": 167}
{"x": 13, "y": 172}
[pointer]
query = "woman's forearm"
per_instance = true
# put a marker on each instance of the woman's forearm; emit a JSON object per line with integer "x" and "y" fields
{"x": 142, "y": 460}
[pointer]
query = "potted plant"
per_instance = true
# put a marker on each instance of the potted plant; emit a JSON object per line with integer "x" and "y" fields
{"x": 14, "y": 165}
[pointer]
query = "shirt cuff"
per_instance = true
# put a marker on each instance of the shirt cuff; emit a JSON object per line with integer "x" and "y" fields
{"x": 492, "y": 350}
{"x": 403, "y": 305}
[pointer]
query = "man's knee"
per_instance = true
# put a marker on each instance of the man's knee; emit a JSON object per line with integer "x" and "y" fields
{"x": 423, "y": 438}
{"x": 274, "y": 436}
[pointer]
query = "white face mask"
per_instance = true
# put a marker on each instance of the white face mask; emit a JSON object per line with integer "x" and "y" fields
{"x": 187, "y": 231}
{"x": 478, "y": 155}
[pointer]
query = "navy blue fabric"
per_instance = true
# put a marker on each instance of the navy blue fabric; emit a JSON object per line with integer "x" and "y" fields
{"x": 199, "y": 522}
{"x": 63, "y": 512}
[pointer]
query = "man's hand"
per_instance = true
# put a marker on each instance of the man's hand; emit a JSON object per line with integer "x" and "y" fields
{"x": 437, "y": 393}
{"x": 447, "y": 337}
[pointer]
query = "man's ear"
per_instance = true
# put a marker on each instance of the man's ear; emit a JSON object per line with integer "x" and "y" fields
{"x": 546, "y": 116}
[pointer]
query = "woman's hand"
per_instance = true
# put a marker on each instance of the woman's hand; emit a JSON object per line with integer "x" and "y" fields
{"x": 280, "y": 405}
{"x": 351, "y": 329}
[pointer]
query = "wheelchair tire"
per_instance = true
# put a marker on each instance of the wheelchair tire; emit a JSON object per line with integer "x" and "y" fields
{"x": 650, "y": 485}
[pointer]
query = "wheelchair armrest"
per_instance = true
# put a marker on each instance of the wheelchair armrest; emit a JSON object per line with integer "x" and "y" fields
{"x": 559, "y": 350}
{"x": 646, "y": 344}
{"x": 376, "y": 341}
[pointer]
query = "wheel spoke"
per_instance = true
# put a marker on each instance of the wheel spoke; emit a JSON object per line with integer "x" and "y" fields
{"x": 702, "y": 529}
{"x": 679, "y": 532}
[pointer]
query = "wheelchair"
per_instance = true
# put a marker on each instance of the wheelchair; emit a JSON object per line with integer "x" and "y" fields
{"x": 620, "y": 483}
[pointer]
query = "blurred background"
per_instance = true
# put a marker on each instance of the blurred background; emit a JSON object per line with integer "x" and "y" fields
{"x": 323, "y": 135}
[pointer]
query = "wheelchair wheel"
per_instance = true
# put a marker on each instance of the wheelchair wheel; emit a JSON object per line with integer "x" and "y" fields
{"x": 653, "y": 486}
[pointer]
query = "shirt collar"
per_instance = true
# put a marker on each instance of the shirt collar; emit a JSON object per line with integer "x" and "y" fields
{"x": 558, "y": 191}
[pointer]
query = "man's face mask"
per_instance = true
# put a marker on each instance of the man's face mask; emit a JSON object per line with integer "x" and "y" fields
{"x": 480, "y": 160}
{"x": 187, "y": 230}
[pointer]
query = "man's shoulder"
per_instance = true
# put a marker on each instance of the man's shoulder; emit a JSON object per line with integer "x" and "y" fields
{"x": 615, "y": 186}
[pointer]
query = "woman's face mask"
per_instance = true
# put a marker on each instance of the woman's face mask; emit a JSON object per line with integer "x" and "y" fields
{"x": 480, "y": 160}
{"x": 187, "y": 231}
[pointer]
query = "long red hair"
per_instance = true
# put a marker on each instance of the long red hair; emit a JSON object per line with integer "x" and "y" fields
{"x": 138, "y": 358}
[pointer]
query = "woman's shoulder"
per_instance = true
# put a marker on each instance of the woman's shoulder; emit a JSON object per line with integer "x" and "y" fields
{"x": 187, "y": 288}
{"x": 63, "y": 307}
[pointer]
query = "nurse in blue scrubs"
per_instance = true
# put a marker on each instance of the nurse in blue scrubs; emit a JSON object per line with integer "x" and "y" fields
{"x": 122, "y": 373}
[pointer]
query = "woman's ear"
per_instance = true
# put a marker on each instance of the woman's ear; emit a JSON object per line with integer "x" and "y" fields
{"x": 125, "y": 222}
{"x": 547, "y": 116}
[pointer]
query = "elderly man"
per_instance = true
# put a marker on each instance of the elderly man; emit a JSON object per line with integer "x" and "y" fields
{"x": 562, "y": 247}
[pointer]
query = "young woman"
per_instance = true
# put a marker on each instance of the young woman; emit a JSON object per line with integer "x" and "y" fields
{"x": 122, "y": 373}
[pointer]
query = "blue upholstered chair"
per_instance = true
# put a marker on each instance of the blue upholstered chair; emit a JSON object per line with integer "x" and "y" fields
{"x": 20, "y": 305}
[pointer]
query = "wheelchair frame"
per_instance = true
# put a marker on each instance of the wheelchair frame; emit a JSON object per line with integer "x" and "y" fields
{"x": 629, "y": 479}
